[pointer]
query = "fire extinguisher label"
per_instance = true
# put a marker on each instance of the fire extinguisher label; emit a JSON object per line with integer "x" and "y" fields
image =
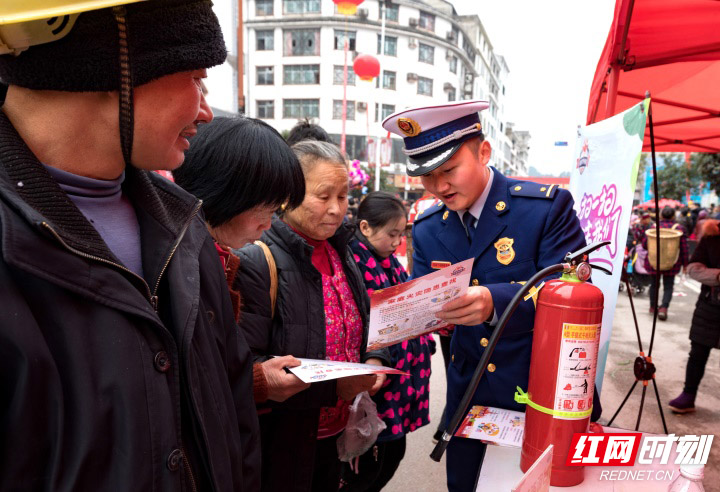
{"x": 576, "y": 369}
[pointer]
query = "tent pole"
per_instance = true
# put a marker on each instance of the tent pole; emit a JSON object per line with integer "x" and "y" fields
{"x": 612, "y": 91}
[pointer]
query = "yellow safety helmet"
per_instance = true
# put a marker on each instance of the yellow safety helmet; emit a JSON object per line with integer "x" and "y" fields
{"x": 25, "y": 23}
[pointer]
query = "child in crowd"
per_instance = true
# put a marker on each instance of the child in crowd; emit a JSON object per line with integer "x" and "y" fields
{"x": 403, "y": 402}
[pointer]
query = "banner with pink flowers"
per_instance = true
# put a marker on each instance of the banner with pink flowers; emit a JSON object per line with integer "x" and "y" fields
{"x": 603, "y": 179}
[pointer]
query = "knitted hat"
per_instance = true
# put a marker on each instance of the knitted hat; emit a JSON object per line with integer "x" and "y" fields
{"x": 163, "y": 37}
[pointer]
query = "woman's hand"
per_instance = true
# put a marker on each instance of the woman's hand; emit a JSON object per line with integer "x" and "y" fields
{"x": 380, "y": 377}
{"x": 473, "y": 308}
{"x": 348, "y": 388}
{"x": 282, "y": 384}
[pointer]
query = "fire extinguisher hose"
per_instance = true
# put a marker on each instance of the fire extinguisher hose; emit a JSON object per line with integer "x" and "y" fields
{"x": 524, "y": 399}
{"x": 462, "y": 408}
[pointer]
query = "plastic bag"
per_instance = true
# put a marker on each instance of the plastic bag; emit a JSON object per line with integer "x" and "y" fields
{"x": 362, "y": 429}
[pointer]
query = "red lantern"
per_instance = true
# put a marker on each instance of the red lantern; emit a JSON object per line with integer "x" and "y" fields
{"x": 367, "y": 67}
{"x": 347, "y": 7}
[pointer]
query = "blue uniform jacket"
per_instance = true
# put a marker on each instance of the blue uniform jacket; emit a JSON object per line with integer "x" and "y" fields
{"x": 524, "y": 227}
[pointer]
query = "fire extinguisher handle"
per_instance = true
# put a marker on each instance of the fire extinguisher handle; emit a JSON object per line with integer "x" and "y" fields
{"x": 463, "y": 407}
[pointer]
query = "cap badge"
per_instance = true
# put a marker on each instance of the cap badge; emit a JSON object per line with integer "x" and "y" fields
{"x": 500, "y": 206}
{"x": 505, "y": 251}
{"x": 408, "y": 126}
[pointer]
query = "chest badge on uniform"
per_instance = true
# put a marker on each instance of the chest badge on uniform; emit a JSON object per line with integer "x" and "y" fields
{"x": 408, "y": 126}
{"x": 505, "y": 251}
{"x": 439, "y": 264}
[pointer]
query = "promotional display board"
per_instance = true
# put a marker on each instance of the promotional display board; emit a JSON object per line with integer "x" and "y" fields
{"x": 603, "y": 179}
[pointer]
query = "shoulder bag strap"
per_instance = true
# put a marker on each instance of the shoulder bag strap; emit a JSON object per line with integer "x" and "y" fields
{"x": 273, "y": 275}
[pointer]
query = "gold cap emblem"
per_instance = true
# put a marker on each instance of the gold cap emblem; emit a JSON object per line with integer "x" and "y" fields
{"x": 500, "y": 206}
{"x": 408, "y": 126}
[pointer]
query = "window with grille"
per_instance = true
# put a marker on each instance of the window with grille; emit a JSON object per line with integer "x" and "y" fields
{"x": 301, "y": 42}
{"x": 301, "y": 6}
{"x": 392, "y": 11}
{"x": 338, "y": 75}
{"x": 301, "y": 108}
{"x": 337, "y": 109}
{"x": 301, "y": 74}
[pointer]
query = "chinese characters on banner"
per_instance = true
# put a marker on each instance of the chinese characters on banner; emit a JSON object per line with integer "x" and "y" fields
{"x": 602, "y": 182}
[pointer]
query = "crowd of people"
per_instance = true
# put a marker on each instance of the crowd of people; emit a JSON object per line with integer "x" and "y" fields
{"x": 698, "y": 256}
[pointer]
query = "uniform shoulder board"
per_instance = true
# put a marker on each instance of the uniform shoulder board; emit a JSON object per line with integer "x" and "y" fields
{"x": 429, "y": 211}
{"x": 530, "y": 189}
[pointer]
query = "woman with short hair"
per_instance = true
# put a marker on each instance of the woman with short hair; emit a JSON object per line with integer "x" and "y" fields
{"x": 243, "y": 171}
{"x": 321, "y": 312}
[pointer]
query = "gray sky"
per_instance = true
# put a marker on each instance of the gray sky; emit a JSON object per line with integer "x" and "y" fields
{"x": 552, "y": 49}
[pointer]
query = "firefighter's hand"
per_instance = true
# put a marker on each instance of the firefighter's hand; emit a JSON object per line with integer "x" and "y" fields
{"x": 475, "y": 307}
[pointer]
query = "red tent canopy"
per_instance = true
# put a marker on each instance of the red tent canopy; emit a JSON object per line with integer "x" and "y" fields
{"x": 672, "y": 49}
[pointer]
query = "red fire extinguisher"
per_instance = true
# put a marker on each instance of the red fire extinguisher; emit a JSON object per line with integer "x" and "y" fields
{"x": 562, "y": 371}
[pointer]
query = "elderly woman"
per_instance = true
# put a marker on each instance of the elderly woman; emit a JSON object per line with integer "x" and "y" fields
{"x": 243, "y": 171}
{"x": 321, "y": 313}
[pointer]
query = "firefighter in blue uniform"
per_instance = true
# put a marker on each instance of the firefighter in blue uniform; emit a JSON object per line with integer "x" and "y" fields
{"x": 512, "y": 228}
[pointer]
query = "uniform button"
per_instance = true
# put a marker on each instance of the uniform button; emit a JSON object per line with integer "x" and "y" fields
{"x": 475, "y": 281}
{"x": 174, "y": 459}
{"x": 452, "y": 358}
{"x": 162, "y": 361}
{"x": 491, "y": 367}
{"x": 518, "y": 188}
{"x": 484, "y": 342}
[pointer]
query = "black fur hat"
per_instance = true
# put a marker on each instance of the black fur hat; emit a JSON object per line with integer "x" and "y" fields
{"x": 164, "y": 37}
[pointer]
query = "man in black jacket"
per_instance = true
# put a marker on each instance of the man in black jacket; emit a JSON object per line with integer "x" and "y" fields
{"x": 121, "y": 367}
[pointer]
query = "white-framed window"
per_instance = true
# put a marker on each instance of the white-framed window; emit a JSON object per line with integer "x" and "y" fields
{"x": 265, "y": 39}
{"x": 266, "y": 109}
{"x": 387, "y": 110}
{"x": 264, "y": 7}
{"x": 265, "y": 75}
{"x": 301, "y": 108}
{"x": 453, "y": 63}
{"x": 301, "y": 74}
{"x": 426, "y": 53}
{"x": 349, "y": 109}
{"x": 425, "y": 86}
{"x": 301, "y": 6}
{"x": 301, "y": 42}
{"x": 392, "y": 11}
{"x": 338, "y": 75}
{"x": 340, "y": 35}
{"x": 426, "y": 21}
{"x": 389, "y": 79}
{"x": 390, "y": 45}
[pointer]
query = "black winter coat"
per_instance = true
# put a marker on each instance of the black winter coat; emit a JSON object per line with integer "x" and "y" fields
{"x": 289, "y": 430}
{"x": 705, "y": 328}
{"x": 110, "y": 381}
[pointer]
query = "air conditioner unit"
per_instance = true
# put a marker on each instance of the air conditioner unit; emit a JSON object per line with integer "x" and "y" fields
{"x": 451, "y": 36}
{"x": 361, "y": 107}
{"x": 412, "y": 43}
{"x": 413, "y": 22}
{"x": 412, "y": 77}
{"x": 362, "y": 13}
{"x": 447, "y": 86}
